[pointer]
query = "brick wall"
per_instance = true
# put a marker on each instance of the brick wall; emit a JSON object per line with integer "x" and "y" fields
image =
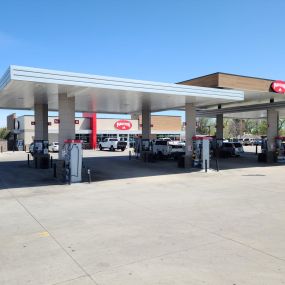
{"x": 164, "y": 123}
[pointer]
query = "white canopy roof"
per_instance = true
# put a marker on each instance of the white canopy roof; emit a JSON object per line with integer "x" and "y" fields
{"x": 21, "y": 87}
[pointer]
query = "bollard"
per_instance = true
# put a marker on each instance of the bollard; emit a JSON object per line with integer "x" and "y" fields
{"x": 144, "y": 157}
{"x": 217, "y": 165}
{"x": 89, "y": 175}
{"x": 1, "y": 148}
{"x": 51, "y": 164}
{"x": 206, "y": 165}
{"x": 69, "y": 175}
{"x": 54, "y": 170}
{"x": 28, "y": 159}
{"x": 256, "y": 148}
{"x": 130, "y": 155}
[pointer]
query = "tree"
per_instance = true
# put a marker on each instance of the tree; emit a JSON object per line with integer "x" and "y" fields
{"x": 3, "y": 133}
{"x": 281, "y": 127}
{"x": 251, "y": 127}
{"x": 234, "y": 128}
{"x": 205, "y": 126}
{"x": 262, "y": 127}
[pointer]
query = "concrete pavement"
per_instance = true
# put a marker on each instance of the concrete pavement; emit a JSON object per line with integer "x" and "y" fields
{"x": 149, "y": 224}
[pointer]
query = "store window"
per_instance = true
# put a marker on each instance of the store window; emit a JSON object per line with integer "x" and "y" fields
{"x": 173, "y": 137}
{"x": 123, "y": 137}
{"x": 85, "y": 139}
{"x": 101, "y": 137}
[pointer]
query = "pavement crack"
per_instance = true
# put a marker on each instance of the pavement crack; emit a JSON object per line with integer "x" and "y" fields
{"x": 53, "y": 237}
{"x": 68, "y": 280}
{"x": 159, "y": 256}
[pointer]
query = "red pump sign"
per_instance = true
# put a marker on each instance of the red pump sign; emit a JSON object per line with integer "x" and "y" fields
{"x": 123, "y": 125}
{"x": 278, "y": 86}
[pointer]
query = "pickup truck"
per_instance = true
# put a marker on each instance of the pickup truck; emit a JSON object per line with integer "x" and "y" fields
{"x": 168, "y": 149}
{"x": 53, "y": 147}
{"x": 112, "y": 144}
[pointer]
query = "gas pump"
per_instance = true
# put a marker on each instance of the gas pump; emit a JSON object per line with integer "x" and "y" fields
{"x": 40, "y": 154}
{"x": 201, "y": 151}
{"x": 20, "y": 145}
{"x": 264, "y": 146}
{"x": 72, "y": 155}
{"x": 280, "y": 148}
{"x": 145, "y": 151}
{"x": 40, "y": 147}
{"x": 145, "y": 145}
{"x": 262, "y": 157}
{"x": 216, "y": 144}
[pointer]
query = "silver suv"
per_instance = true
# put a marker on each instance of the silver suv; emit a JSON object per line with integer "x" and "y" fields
{"x": 232, "y": 148}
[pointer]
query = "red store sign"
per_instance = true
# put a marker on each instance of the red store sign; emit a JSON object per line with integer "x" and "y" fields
{"x": 278, "y": 86}
{"x": 123, "y": 125}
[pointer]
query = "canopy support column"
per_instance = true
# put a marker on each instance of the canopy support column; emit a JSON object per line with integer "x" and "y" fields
{"x": 190, "y": 131}
{"x": 41, "y": 121}
{"x": 219, "y": 127}
{"x": 66, "y": 112}
{"x": 146, "y": 122}
{"x": 272, "y": 132}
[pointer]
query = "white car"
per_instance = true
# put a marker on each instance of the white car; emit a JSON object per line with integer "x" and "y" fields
{"x": 53, "y": 147}
{"x": 112, "y": 144}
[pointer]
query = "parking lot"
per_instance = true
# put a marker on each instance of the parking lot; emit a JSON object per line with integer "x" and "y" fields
{"x": 142, "y": 223}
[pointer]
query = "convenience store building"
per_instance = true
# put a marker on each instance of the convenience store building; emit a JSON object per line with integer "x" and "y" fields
{"x": 91, "y": 129}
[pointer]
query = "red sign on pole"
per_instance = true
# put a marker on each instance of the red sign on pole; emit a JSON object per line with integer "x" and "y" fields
{"x": 123, "y": 125}
{"x": 278, "y": 86}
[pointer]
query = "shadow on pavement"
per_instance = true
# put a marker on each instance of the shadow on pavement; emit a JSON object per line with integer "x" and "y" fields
{"x": 246, "y": 160}
{"x": 17, "y": 174}
{"x": 120, "y": 167}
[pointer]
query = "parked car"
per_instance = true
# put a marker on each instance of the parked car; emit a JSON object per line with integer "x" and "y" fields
{"x": 247, "y": 141}
{"x": 163, "y": 148}
{"x": 231, "y": 149}
{"x": 257, "y": 142}
{"x": 53, "y": 147}
{"x": 112, "y": 144}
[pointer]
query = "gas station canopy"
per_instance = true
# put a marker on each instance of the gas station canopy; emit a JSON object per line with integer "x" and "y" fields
{"x": 22, "y": 87}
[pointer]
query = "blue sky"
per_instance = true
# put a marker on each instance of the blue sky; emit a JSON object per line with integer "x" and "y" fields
{"x": 161, "y": 40}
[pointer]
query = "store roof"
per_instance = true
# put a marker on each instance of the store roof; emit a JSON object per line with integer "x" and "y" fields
{"x": 21, "y": 87}
{"x": 258, "y": 95}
